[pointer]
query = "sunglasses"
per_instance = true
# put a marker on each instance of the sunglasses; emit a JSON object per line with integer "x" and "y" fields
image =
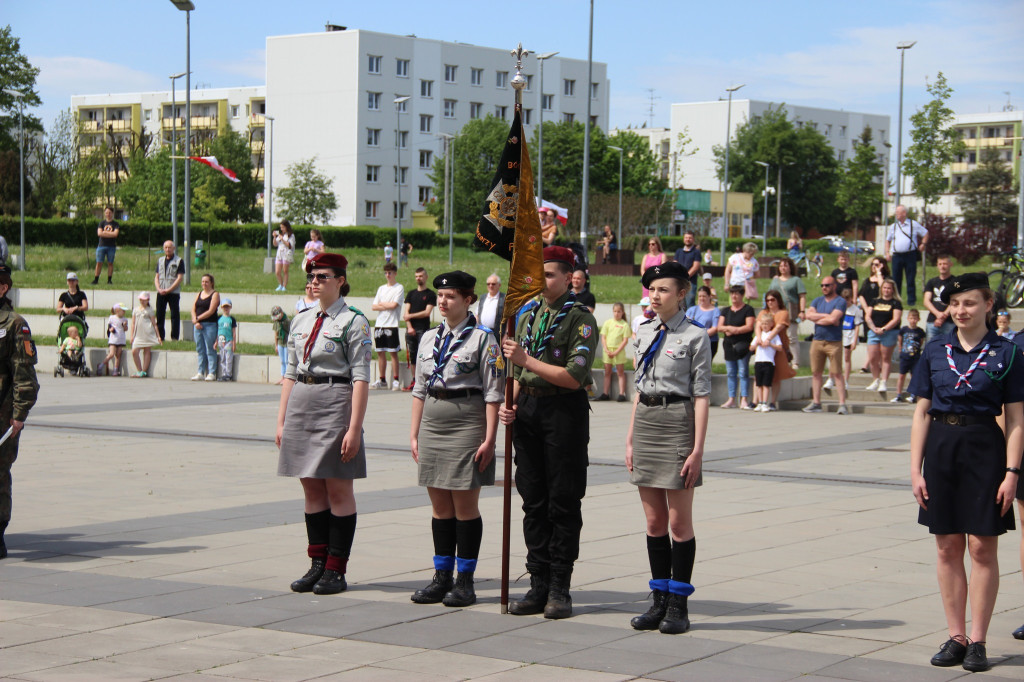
{"x": 319, "y": 276}
{"x": 827, "y": 284}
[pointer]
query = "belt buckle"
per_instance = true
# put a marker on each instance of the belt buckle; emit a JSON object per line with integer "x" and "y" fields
{"x": 952, "y": 419}
{"x": 309, "y": 379}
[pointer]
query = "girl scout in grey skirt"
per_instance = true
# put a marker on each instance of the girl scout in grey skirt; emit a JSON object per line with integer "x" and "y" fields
{"x": 320, "y": 420}
{"x": 665, "y": 444}
{"x": 454, "y": 420}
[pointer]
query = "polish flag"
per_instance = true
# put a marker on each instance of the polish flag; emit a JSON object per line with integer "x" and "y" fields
{"x": 560, "y": 213}
{"x": 211, "y": 161}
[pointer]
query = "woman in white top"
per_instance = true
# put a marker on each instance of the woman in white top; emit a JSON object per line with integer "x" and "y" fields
{"x": 284, "y": 240}
{"x": 740, "y": 270}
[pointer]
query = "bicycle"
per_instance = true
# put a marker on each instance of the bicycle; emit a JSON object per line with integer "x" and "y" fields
{"x": 1008, "y": 281}
{"x": 810, "y": 265}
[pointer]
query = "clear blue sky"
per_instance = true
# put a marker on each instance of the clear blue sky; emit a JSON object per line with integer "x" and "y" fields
{"x": 831, "y": 54}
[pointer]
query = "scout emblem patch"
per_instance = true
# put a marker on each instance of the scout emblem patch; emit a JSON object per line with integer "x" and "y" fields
{"x": 585, "y": 331}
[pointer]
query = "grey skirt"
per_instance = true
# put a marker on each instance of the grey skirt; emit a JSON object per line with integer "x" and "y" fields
{"x": 315, "y": 423}
{"x": 450, "y": 433}
{"x": 662, "y": 440}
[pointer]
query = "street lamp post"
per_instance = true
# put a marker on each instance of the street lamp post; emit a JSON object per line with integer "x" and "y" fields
{"x": 619, "y": 150}
{"x": 268, "y": 171}
{"x": 764, "y": 225}
{"x": 540, "y": 129}
{"x": 902, "y": 47}
{"x": 586, "y": 135}
{"x": 174, "y": 159}
{"x": 186, "y": 6}
{"x": 399, "y": 101}
{"x": 725, "y": 183}
{"x": 449, "y": 143}
{"x": 21, "y": 167}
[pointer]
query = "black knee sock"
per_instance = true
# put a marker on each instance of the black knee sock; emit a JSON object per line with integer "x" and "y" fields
{"x": 469, "y": 534}
{"x": 683, "y": 554}
{"x": 343, "y": 529}
{"x": 444, "y": 532}
{"x": 659, "y": 553}
{"x": 318, "y": 527}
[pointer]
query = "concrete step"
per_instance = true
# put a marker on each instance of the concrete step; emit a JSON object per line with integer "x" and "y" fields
{"x": 902, "y": 410}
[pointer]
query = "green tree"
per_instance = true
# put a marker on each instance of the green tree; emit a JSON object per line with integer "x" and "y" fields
{"x": 935, "y": 144}
{"x": 986, "y": 196}
{"x": 85, "y": 186}
{"x": 859, "y": 194}
{"x": 16, "y": 73}
{"x": 52, "y": 162}
{"x": 563, "y": 161}
{"x": 147, "y": 191}
{"x": 232, "y": 151}
{"x": 640, "y": 168}
{"x": 308, "y": 198}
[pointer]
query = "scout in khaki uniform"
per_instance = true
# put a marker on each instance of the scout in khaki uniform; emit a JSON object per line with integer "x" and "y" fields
{"x": 18, "y": 391}
{"x": 552, "y": 355}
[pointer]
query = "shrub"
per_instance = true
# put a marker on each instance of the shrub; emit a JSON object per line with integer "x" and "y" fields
{"x": 967, "y": 243}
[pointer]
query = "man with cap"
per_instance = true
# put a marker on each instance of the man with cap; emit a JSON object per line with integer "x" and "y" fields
{"x": 18, "y": 391}
{"x": 552, "y": 354}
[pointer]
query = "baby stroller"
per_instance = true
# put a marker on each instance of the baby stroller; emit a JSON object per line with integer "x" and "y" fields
{"x": 74, "y": 362}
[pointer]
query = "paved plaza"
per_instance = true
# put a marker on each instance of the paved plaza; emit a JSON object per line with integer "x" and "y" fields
{"x": 152, "y": 540}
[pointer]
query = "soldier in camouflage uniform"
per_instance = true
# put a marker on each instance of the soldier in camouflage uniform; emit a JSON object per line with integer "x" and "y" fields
{"x": 18, "y": 390}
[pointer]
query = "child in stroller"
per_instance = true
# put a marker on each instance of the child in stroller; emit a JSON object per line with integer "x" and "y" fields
{"x": 70, "y": 340}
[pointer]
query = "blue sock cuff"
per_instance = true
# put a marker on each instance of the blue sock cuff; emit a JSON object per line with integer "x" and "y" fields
{"x": 444, "y": 563}
{"x": 659, "y": 585}
{"x": 466, "y": 565}
{"x": 676, "y": 587}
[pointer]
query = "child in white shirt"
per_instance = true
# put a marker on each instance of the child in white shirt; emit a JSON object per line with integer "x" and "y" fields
{"x": 117, "y": 328}
{"x": 765, "y": 346}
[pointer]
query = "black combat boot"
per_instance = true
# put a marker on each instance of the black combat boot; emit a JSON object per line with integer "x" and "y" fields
{"x": 652, "y": 619}
{"x": 333, "y": 579}
{"x": 559, "y": 602}
{"x": 676, "y": 620}
{"x": 318, "y": 553}
{"x": 436, "y": 590}
{"x": 536, "y": 599}
{"x": 3, "y": 545}
{"x": 463, "y": 593}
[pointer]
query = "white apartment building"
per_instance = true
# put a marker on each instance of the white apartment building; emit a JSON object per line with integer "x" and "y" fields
{"x": 660, "y": 142}
{"x": 332, "y": 95}
{"x": 705, "y": 122}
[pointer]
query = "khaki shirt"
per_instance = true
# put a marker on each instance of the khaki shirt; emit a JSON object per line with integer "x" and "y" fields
{"x": 342, "y": 349}
{"x": 473, "y": 365}
{"x": 573, "y": 345}
{"x": 682, "y": 365}
{"x": 19, "y": 387}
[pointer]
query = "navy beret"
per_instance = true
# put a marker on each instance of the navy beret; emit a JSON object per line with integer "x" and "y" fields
{"x": 455, "y": 280}
{"x": 671, "y": 269}
{"x": 965, "y": 282}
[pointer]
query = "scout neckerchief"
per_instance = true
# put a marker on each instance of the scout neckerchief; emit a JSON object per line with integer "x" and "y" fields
{"x": 648, "y": 355}
{"x": 536, "y": 347}
{"x": 442, "y": 352}
{"x": 311, "y": 341}
{"x": 963, "y": 378}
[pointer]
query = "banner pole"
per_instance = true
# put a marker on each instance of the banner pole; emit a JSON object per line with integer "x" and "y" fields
{"x": 506, "y": 509}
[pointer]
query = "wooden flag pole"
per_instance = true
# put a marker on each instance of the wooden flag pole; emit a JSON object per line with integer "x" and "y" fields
{"x": 506, "y": 505}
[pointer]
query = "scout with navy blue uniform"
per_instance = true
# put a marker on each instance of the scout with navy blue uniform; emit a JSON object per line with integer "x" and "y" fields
{"x": 323, "y": 399}
{"x": 457, "y": 388}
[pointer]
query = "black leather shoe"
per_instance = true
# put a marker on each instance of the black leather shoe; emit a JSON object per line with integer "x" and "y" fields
{"x": 951, "y": 653}
{"x": 676, "y": 620}
{"x": 331, "y": 582}
{"x": 1019, "y": 633}
{"x": 559, "y": 602}
{"x": 976, "y": 660}
{"x": 306, "y": 582}
{"x": 463, "y": 593}
{"x": 536, "y": 599}
{"x": 435, "y": 591}
{"x": 652, "y": 619}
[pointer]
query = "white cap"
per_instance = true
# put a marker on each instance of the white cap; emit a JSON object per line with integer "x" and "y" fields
{"x": 73, "y": 276}
{"x": 144, "y": 296}
{"x": 225, "y": 302}
{"x": 645, "y": 300}
{"x": 707, "y": 275}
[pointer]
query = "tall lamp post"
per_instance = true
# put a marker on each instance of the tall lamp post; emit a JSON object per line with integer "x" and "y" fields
{"x": 586, "y": 135}
{"x": 902, "y": 47}
{"x": 764, "y": 225}
{"x": 399, "y": 101}
{"x": 619, "y": 150}
{"x": 186, "y": 6}
{"x": 21, "y": 167}
{"x": 449, "y": 143}
{"x": 268, "y": 171}
{"x": 174, "y": 159}
{"x": 540, "y": 129}
{"x": 725, "y": 183}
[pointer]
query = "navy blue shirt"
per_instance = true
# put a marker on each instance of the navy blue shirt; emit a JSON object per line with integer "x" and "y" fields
{"x": 688, "y": 258}
{"x": 998, "y": 379}
{"x": 824, "y": 332}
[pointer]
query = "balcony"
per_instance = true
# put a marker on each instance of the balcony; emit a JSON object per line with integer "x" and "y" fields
{"x": 257, "y": 120}
{"x": 90, "y": 126}
{"x": 257, "y": 173}
{"x": 962, "y": 167}
{"x": 118, "y": 124}
{"x": 995, "y": 142}
{"x": 204, "y": 121}
{"x": 256, "y": 146}
{"x": 169, "y": 122}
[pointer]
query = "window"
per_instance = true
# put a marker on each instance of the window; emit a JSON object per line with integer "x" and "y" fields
{"x": 373, "y": 173}
{"x": 569, "y": 87}
{"x": 568, "y": 118}
{"x": 402, "y": 139}
{"x": 529, "y": 83}
{"x": 527, "y": 116}
{"x": 402, "y": 68}
{"x": 426, "y": 158}
{"x": 990, "y": 132}
{"x": 475, "y": 109}
{"x": 402, "y": 108}
{"x": 373, "y": 137}
{"x": 425, "y": 122}
{"x": 424, "y": 195}
{"x": 972, "y": 157}
{"x": 403, "y": 173}
{"x": 426, "y": 88}
{"x": 394, "y": 208}
{"x": 148, "y": 113}
{"x": 828, "y": 128}
{"x": 1007, "y": 156}
{"x": 371, "y": 209}
{"x": 501, "y": 79}
{"x": 546, "y": 102}
{"x": 476, "y": 76}
{"x": 373, "y": 101}
{"x": 449, "y": 108}
{"x": 374, "y": 66}
{"x": 593, "y": 121}
{"x": 593, "y": 91}
{"x": 500, "y": 111}
{"x": 449, "y": 73}
{"x": 841, "y": 155}
{"x": 881, "y": 136}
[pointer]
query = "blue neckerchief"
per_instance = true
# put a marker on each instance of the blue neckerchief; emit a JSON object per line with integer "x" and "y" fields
{"x": 648, "y": 355}
{"x": 443, "y": 353}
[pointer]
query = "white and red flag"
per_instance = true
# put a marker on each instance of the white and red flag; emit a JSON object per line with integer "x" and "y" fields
{"x": 560, "y": 213}
{"x": 211, "y": 161}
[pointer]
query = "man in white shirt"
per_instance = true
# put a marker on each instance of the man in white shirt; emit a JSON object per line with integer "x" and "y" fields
{"x": 488, "y": 309}
{"x": 904, "y": 243}
{"x": 387, "y": 303}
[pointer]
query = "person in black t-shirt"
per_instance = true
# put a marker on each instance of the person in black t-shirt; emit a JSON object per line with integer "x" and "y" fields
{"x": 108, "y": 232}
{"x": 73, "y": 301}
{"x": 689, "y": 257}
{"x": 845, "y": 276}
{"x": 583, "y": 295}
{"x": 736, "y": 324}
{"x": 939, "y": 321}
{"x": 911, "y": 342}
{"x": 419, "y": 304}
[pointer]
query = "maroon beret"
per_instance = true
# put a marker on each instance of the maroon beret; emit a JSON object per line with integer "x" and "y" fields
{"x": 559, "y": 254}
{"x": 327, "y": 260}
